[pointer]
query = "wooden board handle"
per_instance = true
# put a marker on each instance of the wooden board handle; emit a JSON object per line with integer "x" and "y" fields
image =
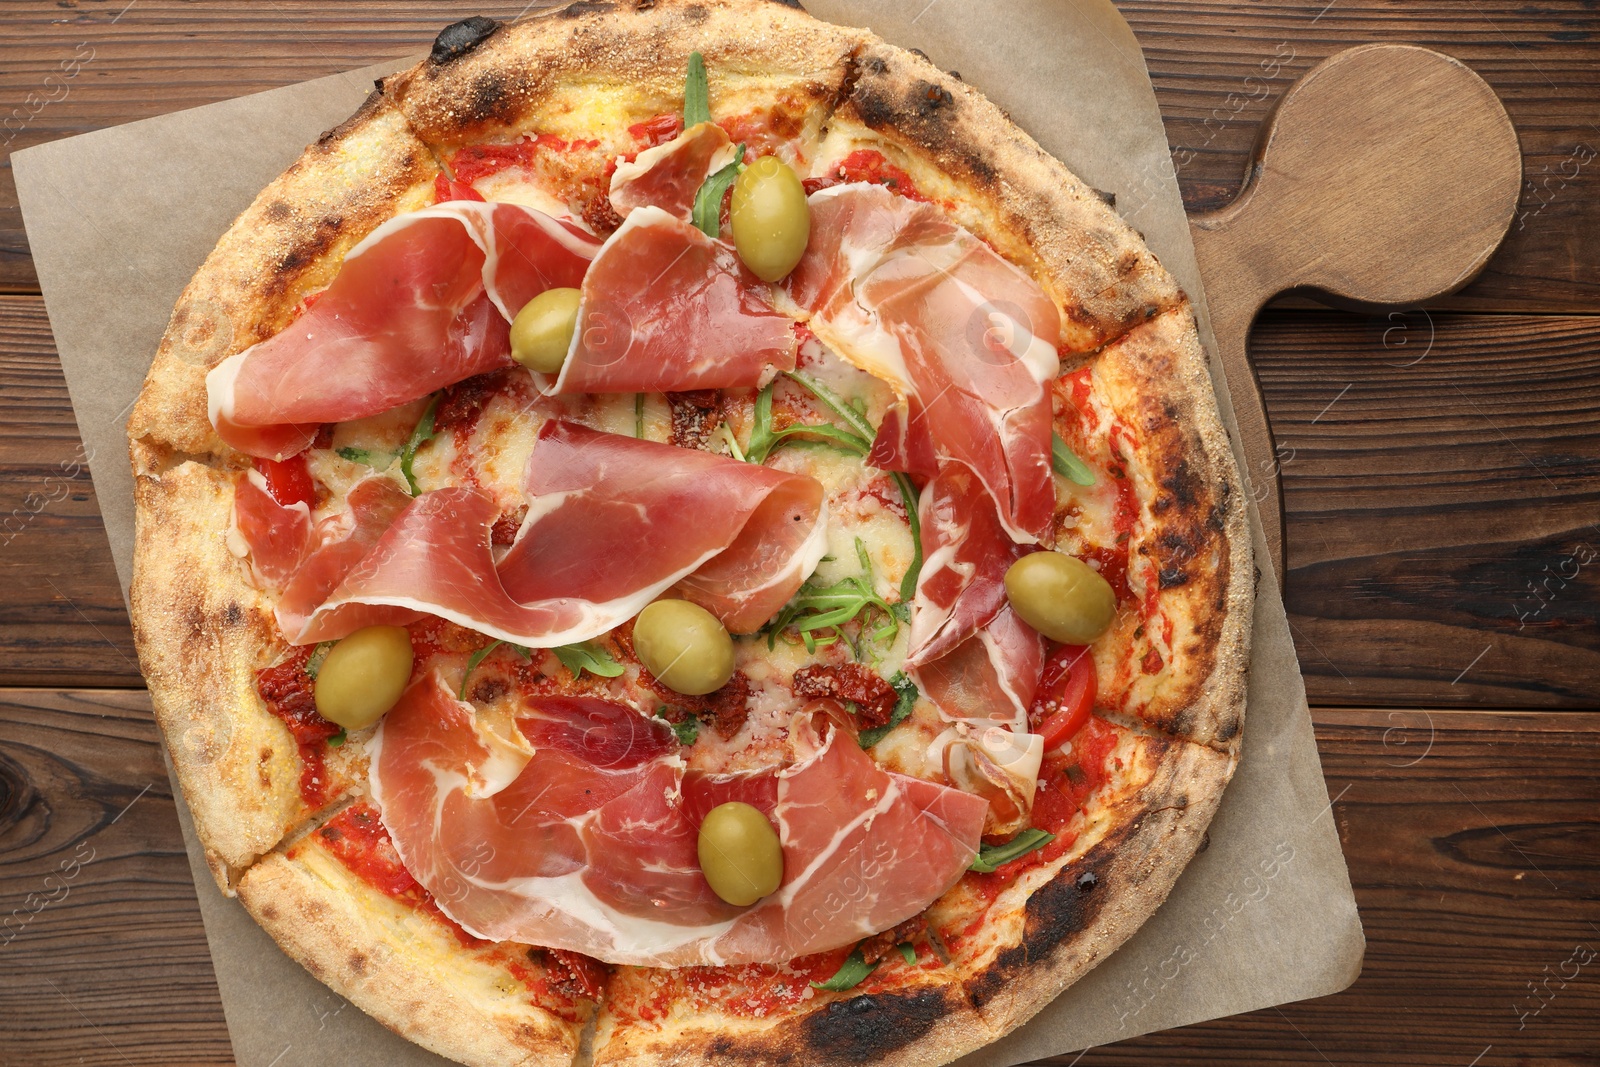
{"x": 1385, "y": 177}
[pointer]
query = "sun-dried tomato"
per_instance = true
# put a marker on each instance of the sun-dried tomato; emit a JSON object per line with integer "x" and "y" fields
{"x": 851, "y": 683}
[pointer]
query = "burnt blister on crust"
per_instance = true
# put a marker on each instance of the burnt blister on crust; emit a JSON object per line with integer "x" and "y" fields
{"x": 867, "y": 1028}
{"x": 924, "y": 112}
{"x": 459, "y": 38}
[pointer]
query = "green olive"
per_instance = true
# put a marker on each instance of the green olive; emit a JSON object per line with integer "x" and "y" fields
{"x": 1061, "y": 596}
{"x": 740, "y": 854}
{"x": 684, "y": 646}
{"x": 542, "y": 331}
{"x": 363, "y": 676}
{"x": 771, "y": 219}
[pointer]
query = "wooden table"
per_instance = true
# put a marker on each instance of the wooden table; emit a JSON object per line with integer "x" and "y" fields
{"x": 1442, "y": 494}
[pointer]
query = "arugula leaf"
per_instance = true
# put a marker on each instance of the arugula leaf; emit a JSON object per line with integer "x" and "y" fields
{"x": 992, "y": 857}
{"x": 483, "y": 654}
{"x": 638, "y": 415}
{"x": 688, "y": 730}
{"x": 1067, "y": 464}
{"x": 902, "y": 710}
{"x": 764, "y": 440}
{"x": 836, "y": 404}
{"x": 863, "y": 435}
{"x": 338, "y": 739}
{"x": 696, "y": 93}
{"x": 587, "y": 656}
{"x": 851, "y": 973}
{"x": 908, "y": 953}
{"x": 908, "y": 496}
{"x": 707, "y": 216}
{"x": 818, "y": 610}
{"x": 318, "y": 654}
{"x": 419, "y": 437}
{"x": 376, "y": 460}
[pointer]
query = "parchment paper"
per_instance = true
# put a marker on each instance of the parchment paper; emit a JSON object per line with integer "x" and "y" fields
{"x": 119, "y": 219}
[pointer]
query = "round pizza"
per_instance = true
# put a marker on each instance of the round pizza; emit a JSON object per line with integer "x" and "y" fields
{"x": 678, "y": 534}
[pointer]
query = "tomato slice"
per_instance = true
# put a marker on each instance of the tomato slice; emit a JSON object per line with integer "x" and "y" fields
{"x": 289, "y": 480}
{"x": 1066, "y": 695}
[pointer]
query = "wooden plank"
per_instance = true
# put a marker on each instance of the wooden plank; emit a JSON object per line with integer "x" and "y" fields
{"x": 1475, "y": 854}
{"x": 1471, "y": 838}
{"x": 103, "y": 958}
{"x": 62, "y": 619}
{"x": 1441, "y": 475}
{"x": 1206, "y": 59}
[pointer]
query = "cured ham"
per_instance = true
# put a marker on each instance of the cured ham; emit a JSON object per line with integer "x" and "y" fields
{"x": 274, "y": 536}
{"x": 669, "y": 175}
{"x": 423, "y": 302}
{"x": 966, "y": 339}
{"x": 591, "y": 845}
{"x": 666, "y": 308}
{"x": 612, "y": 523}
{"x": 966, "y": 554}
{"x": 983, "y": 690}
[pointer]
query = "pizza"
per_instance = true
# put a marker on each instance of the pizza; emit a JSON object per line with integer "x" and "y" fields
{"x": 679, "y": 534}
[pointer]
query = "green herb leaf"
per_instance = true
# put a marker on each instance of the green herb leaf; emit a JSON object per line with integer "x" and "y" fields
{"x": 338, "y": 739}
{"x": 587, "y": 656}
{"x": 696, "y": 93}
{"x": 992, "y": 857}
{"x": 472, "y": 665}
{"x": 908, "y": 495}
{"x": 375, "y": 460}
{"x": 817, "y": 614}
{"x": 707, "y": 217}
{"x": 638, "y": 415}
{"x": 318, "y": 654}
{"x": 1067, "y": 464}
{"x": 908, "y": 953}
{"x": 688, "y": 730}
{"x": 419, "y": 437}
{"x": 902, "y": 710}
{"x": 850, "y": 974}
{"x": 838, "y": 405}
{"x": 862, "y": 435}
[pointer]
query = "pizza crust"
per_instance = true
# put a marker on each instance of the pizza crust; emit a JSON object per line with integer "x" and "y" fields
{"x": 201, "y": 632}
{"x": 405, "y": 969}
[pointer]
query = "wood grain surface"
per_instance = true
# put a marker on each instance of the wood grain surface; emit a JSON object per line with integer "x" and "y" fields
{"x": 1441, "y": 477}
{"x": 1218, "y": 68}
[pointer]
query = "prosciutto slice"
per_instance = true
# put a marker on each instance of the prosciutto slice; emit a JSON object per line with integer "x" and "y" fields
{"x": 591, "y": 845}
{"x": 967, "y": 552}
{"x": 666, "y": 308}
{"x": 965, "y": 338}
{"x": 669, "y": 175}
{"x": 613, "y": 522}
{"x": 423, "y": 302}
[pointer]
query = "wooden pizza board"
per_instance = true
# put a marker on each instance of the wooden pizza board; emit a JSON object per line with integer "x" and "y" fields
{"x": 1386, "y": 177}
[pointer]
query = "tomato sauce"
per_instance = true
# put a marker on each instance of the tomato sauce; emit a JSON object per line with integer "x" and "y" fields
{"x": 1068, "y": 783}
{"x": 481, "y": 161}
{"x": 868, "y": 165}
{"x": 286, "y": 690}
{"x": 656, "y": 131}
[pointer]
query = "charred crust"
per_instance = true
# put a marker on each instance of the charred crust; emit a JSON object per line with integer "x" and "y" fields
{"x": 789, "y": 3}
{"x": 489, "y": 99}
{"x": 233, "y": 614}
{"x": 867, "y": 1028}
{"x": 924, "y": 112}
{"x": 592, "y": 7}
{"x": 459, "y": 38}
